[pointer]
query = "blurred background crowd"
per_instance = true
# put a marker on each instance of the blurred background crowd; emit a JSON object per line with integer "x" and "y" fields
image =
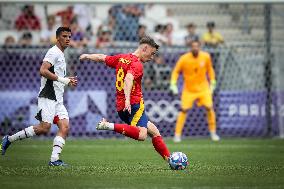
{"x": 107, "y": 25}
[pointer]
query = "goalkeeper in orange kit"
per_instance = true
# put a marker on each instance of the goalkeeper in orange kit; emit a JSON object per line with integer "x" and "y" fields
{"x": 199, "y": 84}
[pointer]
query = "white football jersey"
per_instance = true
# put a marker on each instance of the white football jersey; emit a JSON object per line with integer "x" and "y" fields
{"x": 54, "y": 90}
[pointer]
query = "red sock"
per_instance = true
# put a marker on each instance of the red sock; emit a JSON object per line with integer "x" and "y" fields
{"x": 160, "y": 147}
{"x": 127, "y": 130}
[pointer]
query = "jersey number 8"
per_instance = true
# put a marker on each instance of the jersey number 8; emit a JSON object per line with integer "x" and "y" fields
{"x": 119, "y": 79}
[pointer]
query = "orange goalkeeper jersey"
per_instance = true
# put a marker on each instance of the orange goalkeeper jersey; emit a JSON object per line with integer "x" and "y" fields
{"x": 195, "y": 71}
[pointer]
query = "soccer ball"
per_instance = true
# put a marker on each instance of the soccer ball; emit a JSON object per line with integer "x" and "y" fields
{"x": 178, "y": 161}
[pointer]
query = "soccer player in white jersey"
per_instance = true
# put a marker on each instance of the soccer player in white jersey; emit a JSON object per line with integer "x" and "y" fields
{"x": 50, "y": 99}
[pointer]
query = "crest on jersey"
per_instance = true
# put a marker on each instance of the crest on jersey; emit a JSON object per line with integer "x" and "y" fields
{"x": 201, "y": 64}
{"x": 124, "y": 61}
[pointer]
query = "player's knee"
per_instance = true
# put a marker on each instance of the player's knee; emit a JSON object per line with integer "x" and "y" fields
{"x": 184, "y": 110}
{"x": 142, "y": 137}
{"x": 46, "y": 130}
{"x": 142, "y": 134}
{"x": 64, "y": 129}
{"x": 209, "y": 109}
{"x": 43, "y": 128}
{"x": 63, "y": 126}
{"x": 153, "y": 130}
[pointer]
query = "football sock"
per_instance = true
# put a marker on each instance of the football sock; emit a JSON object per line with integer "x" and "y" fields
{"x": 58, "y": 144}
{"x": 25, "y": 133}
{"x": 180, "y": 123}
{"x": 161, "y": 147}
{"x": 127, "y": 130}
{"x": 211, "y": 120}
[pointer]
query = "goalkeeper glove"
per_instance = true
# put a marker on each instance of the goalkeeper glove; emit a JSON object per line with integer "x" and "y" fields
{"x": 213, "y": 85}
{"x": 173, "y": 88}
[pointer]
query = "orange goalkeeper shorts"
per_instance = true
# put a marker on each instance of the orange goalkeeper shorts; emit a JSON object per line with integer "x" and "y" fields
{"x": 203, "y": 98}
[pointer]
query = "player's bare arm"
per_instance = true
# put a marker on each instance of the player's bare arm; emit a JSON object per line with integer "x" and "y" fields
{"x": 44, "y": 71}
{"x": 93, "y": 57}
{"x": 128, "y": 83}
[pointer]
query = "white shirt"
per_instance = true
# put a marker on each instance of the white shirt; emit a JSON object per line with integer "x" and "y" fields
{"x": 54, "y": 90}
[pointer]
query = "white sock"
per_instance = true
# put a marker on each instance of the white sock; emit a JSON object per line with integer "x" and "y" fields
{"x": 58, "y": 144}
{"x": 111, "y": 126}
{"x": 25, "y": 133}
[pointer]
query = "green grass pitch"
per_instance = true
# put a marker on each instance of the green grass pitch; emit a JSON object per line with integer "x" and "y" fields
{"x": 119, "y": 163}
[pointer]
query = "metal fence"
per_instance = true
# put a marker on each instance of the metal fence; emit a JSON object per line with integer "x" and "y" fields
{"x": 249, "y": 96}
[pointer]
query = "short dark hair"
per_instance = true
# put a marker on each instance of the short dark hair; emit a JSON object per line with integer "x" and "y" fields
{"x": 211, "y": 24}
{"x": 62, "y": 29}
{"x": 141, "y": 26}
{"x": 190, "y": 25}
{"x": 159, "y": 28}
{"x": 27, "y": 35}
{"x": 150, "y": 41}
{"x": 195, "y": 41}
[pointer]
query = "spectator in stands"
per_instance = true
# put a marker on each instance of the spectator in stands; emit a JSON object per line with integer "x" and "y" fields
{"x": 157, "y": 75}
{"x": 155, "y": 12}
{"x": 84, "y": 16}
{"x": 78, "y": 38}
{"x": 169, "y": 33}
{"x": 47, "y": 36}
{"x": 191, "y": 35}
{"x": 212, "y": 39}
{"x": 26, "y": 39}
{"x": 27, "y": 20}
{"x": 160, "y": 36}
{"x": 104, "y": 38}
{"x": 9, "y": 41}
{"x": 170, "y": 18}
{"x": 66, "y": 16}
{"x": 126, "y": 21}
{"x": 141, "y": 31}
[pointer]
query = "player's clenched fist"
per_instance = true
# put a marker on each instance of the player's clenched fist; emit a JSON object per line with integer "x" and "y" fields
{"x": 73, "y": 81}
{"x": 127, "y": 106}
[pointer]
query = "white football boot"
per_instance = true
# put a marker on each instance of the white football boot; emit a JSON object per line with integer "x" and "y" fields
{"x": 104, "y": 125}
{"x": 177, "y": 139}
{"x": 214, "y": 136}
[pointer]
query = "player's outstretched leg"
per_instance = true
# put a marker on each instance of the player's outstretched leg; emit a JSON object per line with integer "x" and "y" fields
{"x": 42, "y": 128}
{"x": 157, "y": 141}
{"x": 137, "y": 133}
{"x": 23, "y": 134}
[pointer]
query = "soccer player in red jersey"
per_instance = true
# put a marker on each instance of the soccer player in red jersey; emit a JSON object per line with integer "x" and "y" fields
{"x": 129, "y": 98}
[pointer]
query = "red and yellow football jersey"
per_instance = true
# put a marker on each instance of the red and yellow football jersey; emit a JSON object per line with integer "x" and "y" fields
{"x": 126, "y": 63}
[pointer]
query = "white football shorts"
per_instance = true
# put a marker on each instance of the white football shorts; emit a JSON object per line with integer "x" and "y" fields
{"x": 49, "y": 109}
